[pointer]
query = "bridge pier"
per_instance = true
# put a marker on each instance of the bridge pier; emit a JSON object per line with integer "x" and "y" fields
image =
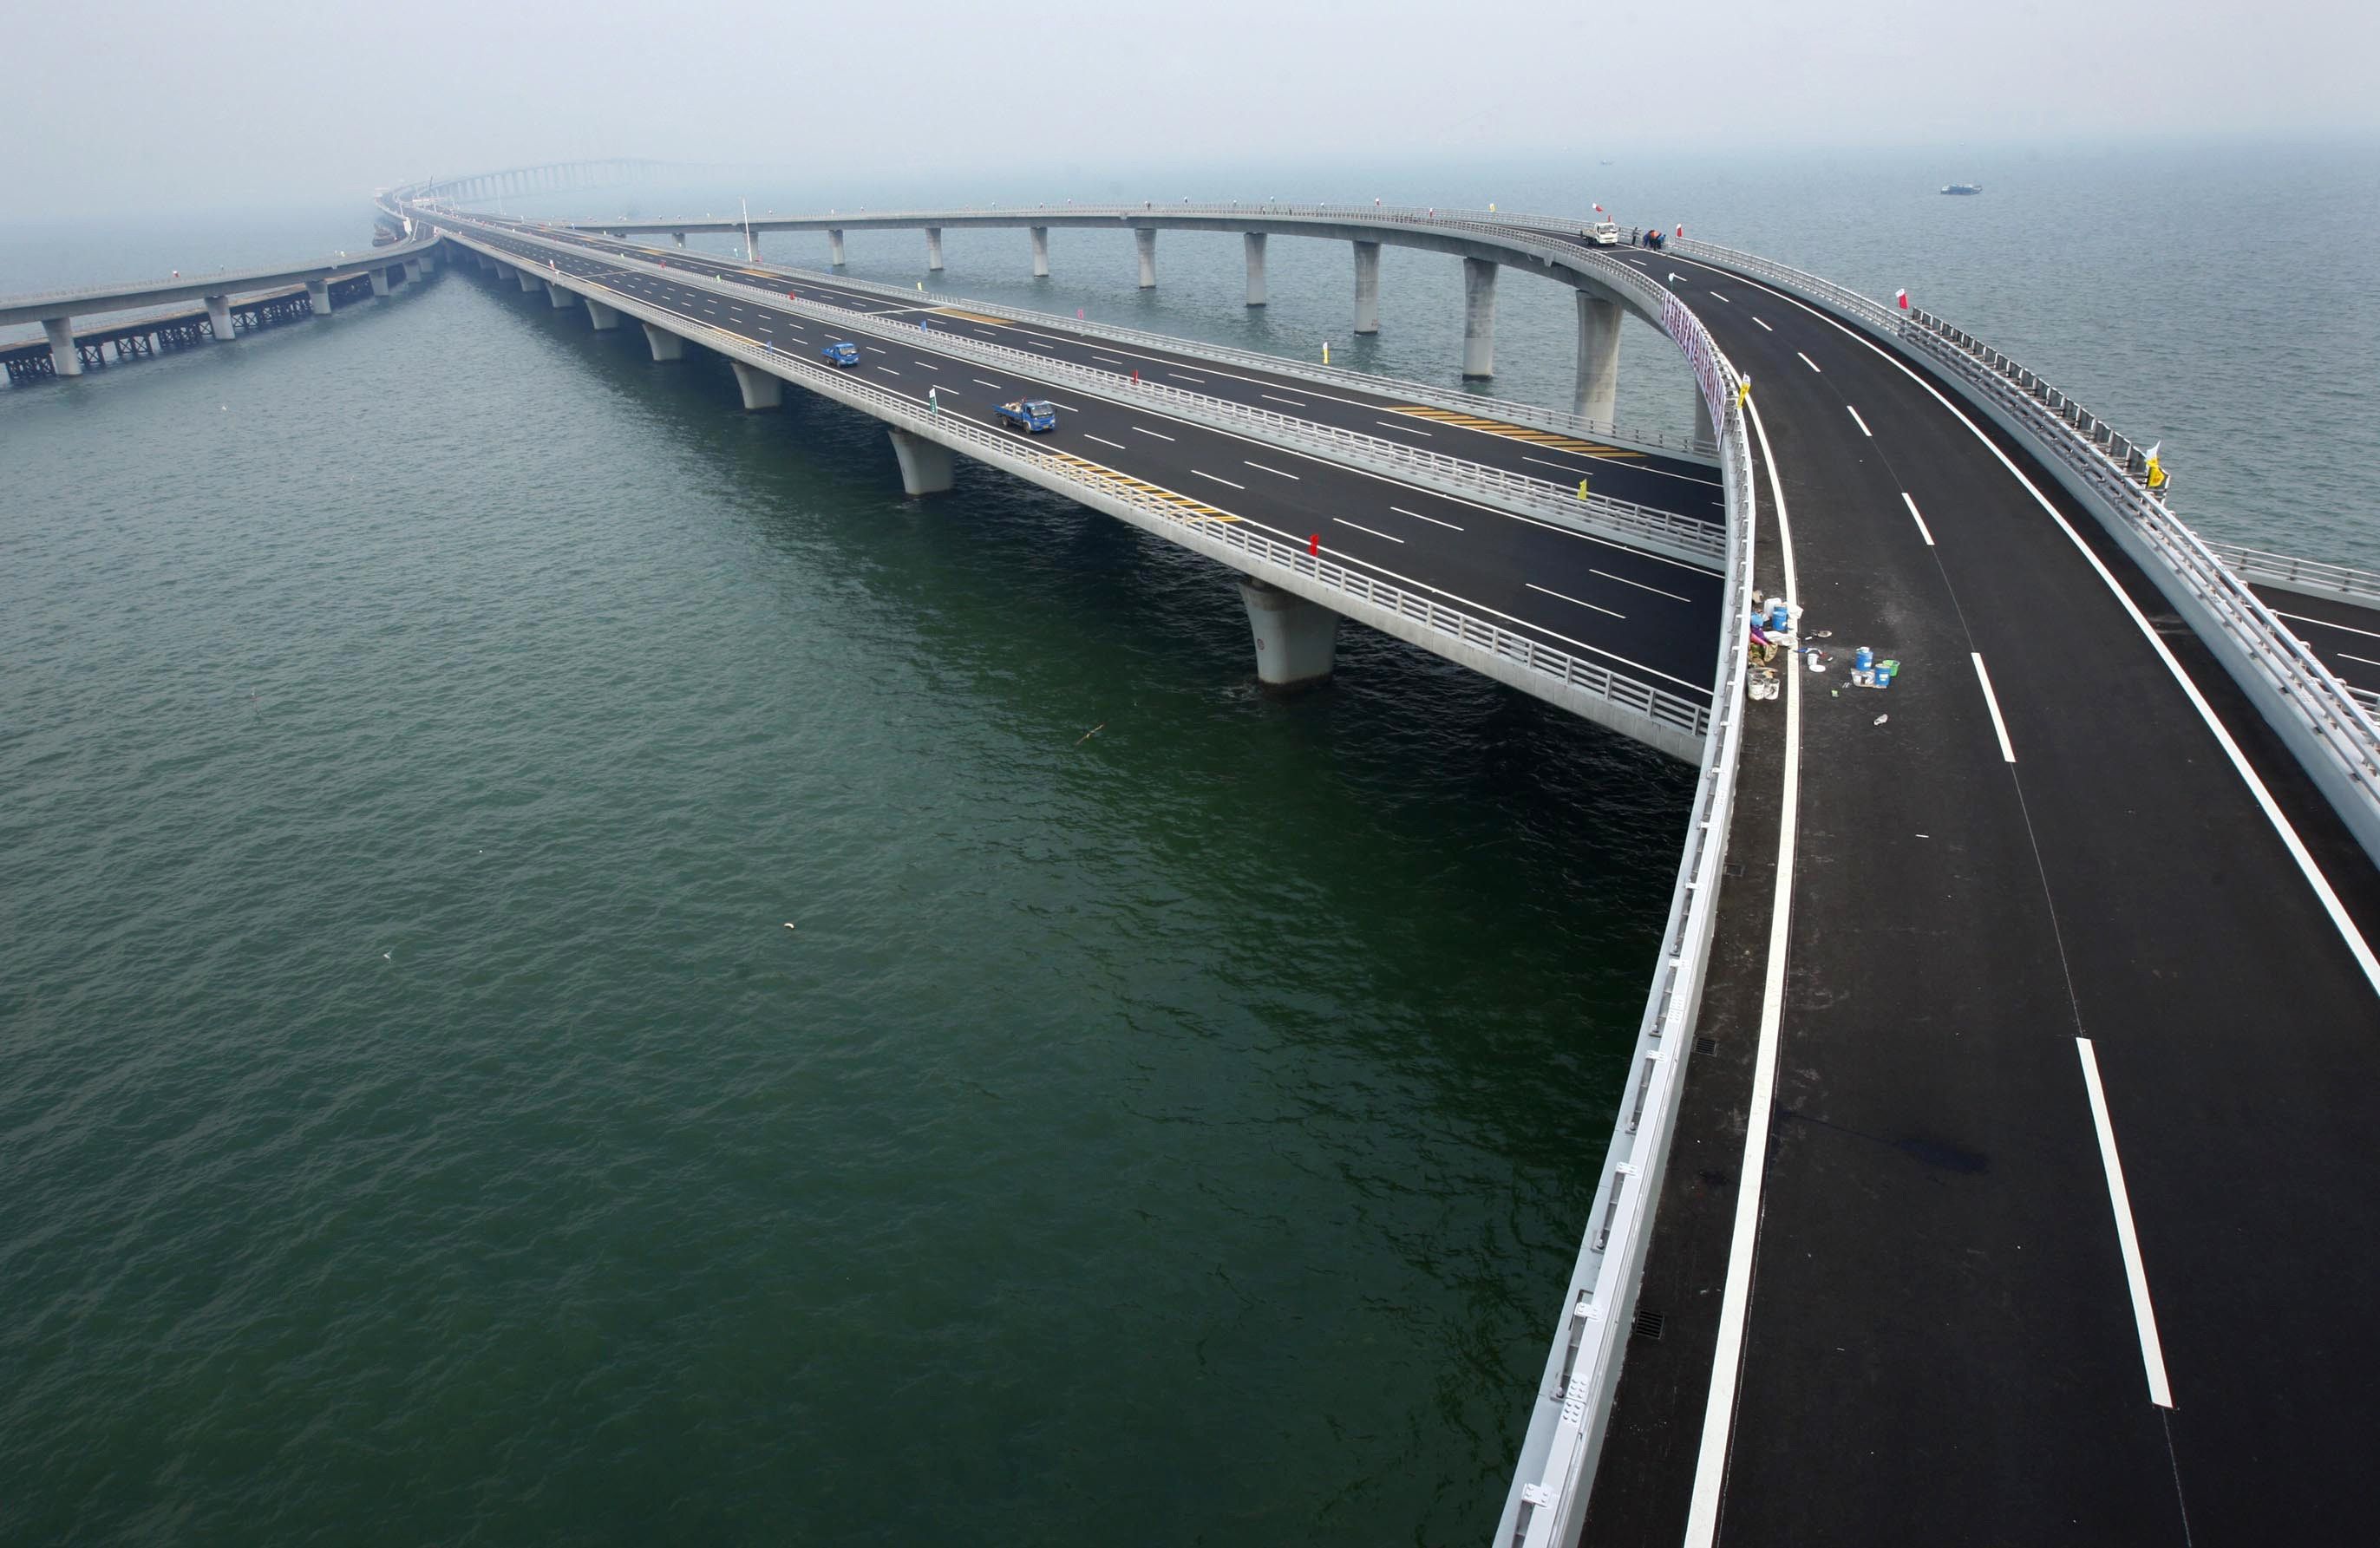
{"x": 560, "y": 296}
{"x": 219, "y": 317}
{"x": 679, "y": 237}
{"x": 65, "y": 358}
{"x": 1040, "y": 252}
{"x": 1255, "y": 241}
{"x": 1297, "y": 641}
{"x": 925, "y": 464}
{"x": 1367, "y": 288}
{"x": 1144, "y": 237}
{"x": 605, "y": 318}
{"x": 666, "y": 345}
{"x": 379, "y": 280}
{"x": 761, "y": 390}
{"x": 751, "y": 246}
{"x": 933, "y": 249}
{"x": 529, "y": 280}
{"x": 318, "y": 293}
{"x": 1478, "y": 317}
{"x": 1598, "y": 358}
{"x": 834, "y": 246}
{"x": 413, "y": 270}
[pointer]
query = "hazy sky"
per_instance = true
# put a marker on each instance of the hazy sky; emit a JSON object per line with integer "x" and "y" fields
{"x": 256, "y": 101}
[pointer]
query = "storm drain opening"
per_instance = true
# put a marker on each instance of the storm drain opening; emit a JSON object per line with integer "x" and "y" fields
{"x": 1705, "y": 1044}
{"x": 1648, "y": 1326}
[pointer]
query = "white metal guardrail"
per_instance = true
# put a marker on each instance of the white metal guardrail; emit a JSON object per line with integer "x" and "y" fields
{"x": 2313, "y": 575}
{"x": 1529, "y": 416}
{"x": 1683, "y": 538}
{"x": 1567, "y": 1421}
{"x": 1262, "y": 554}
{"x": 2294, "y": 689}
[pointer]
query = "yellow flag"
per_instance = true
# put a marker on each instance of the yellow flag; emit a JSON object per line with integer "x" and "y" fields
{"x": 1326, "y": 352}
{"x": 1582, "y": 488}
{"x": 2156, "y": 469}
{"x": 1744, "y": 392}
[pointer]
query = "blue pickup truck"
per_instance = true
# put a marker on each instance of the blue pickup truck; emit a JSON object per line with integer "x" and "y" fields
{"x": 1029, "y": 415}
{"x": 841, "y": 353}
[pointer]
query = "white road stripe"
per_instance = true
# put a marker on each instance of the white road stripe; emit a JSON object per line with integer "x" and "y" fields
{"x": 1203, "y": 474}
{"x": 1566, "y": 467}
{"x": 1039, "y": 339}
{"x": 872, "y": 349}
{"x": 1067, "y": 406}
{"x": 888, "y": 370}
{"x": 1179, "y": 376}
{"x": 1360, "y": 528}
{"x": 1807, "y": 361}
{"x": 1407, "y": 429}
{"x": 1860, "y": 422}
{"x": 1291, "y": 401}
{"x": 2365, "y": 660}
{"x": 1105, "y": 441}
{"x": 1639, "y": 585}
{"x": 1274, "y": 471}
{"x": 1418, "y": 516}
{"x": 993, "y": 385}
{"x": 1735, "y": 1303}
{"x": 927, "y": 364}
{"x": 1764, "y": 327}
{"x": 2136, "y": 1277}
{"x": 1991, "y": 702}
{"x": 1572, "y": 600}
{"x": 1108, "y": 358}
{"x": 1717, "y": 296}
{"x": 1921, "y": 529}
{"x": 1137, "y": 428}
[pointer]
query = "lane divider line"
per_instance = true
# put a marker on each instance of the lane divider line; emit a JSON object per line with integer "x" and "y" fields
{"x": 2128, "y": 1238}
{"x": 1807, "y": 361}
{"x": 1418, "y": 516}
{"x": 1573, "y": 600}
{"x": 1992, "y": 703}
{"x": 1860, "y": 422}
{"x": 1923, "y": 530}
{"x": 1361, "y": 527}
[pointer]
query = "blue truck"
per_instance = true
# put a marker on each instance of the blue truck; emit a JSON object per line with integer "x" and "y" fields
{"x": 840, "y": 353}
{"x": 1029, "y": 415}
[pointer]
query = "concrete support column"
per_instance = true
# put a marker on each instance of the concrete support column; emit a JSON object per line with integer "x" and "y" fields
{"x": 1703, "y": 431}
{"x": 379, "y": 280}
{"x": 219, "y": 318}
{"x": 679, "y": 237}
{"x": 605, "y": 318}
{"x": 761, "y": 390}
{"x": 318, "y": 293}
{"x": 834, "y": 246}
{"x": 1255, "y": 241}
{"x": 1598, "y": 358}
{"x": 1040, "y": 252}
{"x": 63, "y": 358}
{"x": 925, "y": 464}
{"x": 933, "y": 249}
{"x": 529, "y": 280}
{"x": 666, "y": 345}
{"x": 1367, "y": 288}
{"x": 427, "y": 261}
{"x": 1297, "y": 641}
{"x": 560, "y": 296}
{"x": 751, "y": 246}
{"x": 1478, "y": 317}
{"x": 1144, "y": 237}
{"x": 413, "y": 270}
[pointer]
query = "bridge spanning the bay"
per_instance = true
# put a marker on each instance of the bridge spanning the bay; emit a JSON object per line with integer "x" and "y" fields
{"x": 2014, "y": 1038}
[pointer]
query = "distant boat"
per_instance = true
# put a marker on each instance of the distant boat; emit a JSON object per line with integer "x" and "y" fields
{"x": 1962, "y": 188}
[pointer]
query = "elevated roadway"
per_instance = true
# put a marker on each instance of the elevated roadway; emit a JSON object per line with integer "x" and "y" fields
{"x": 1650, "y": 617}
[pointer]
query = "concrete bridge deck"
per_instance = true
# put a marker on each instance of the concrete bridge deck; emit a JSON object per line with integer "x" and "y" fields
{"x": 2070, "y": 914}
{"x": 1652, "y": 617}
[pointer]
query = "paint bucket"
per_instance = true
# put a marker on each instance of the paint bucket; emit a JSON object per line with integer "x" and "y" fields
{"x": 1863, "y": 659}
{"x": 1781, "y": 618}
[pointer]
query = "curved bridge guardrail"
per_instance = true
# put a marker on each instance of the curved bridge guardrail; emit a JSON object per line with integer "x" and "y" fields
{"x": 2312, "y": 574}
{"x": 2328, "y": 727}
{"x": 1683, "y": 538}
{"x": 1529, "y": 416}
{"x": 1548, "y": 1500}
{"x": 1344, "y": 587}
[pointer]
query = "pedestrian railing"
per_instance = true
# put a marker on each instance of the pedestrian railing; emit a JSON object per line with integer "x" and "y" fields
{"x": 2284, "y": 570}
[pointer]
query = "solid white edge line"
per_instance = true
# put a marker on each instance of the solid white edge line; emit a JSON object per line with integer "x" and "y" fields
{"x": 1735, "y": 1303}
{"x": 1860, "y": 422}
{"x": 2325, "y": 623}
{"x": 2136, "y": 1277}
{"x": 1923, "y": 530}
{"x": 2360, "y": 949}
{"x": 1992, "y": 703}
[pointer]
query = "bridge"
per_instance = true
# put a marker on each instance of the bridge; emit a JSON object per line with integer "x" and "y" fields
{"x": 65, "y": 349}
{"x": 1997, "y": 1131}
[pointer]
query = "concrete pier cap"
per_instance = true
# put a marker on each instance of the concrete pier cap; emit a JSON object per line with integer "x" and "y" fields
{"x": 560, "y": 296}
{"x": 760, "y": 389}
{"x": 664, "y": 345}
{"x": 605, "y": 318}
{"x": 1297, "y": 641}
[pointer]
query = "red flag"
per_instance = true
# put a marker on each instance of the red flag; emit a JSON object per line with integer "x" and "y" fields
{"x": 1313, "y": 544}
{"x": 1599, "y": 209}
{"x": 1901, "y": 296}
{"x": 1682, "y": 231}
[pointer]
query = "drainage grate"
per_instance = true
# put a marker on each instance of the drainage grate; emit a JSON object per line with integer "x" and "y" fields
{"x": 1705, "y": 1044}
{"x": 1648, "y": 1326}
{"x": 1731, "y": 868}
